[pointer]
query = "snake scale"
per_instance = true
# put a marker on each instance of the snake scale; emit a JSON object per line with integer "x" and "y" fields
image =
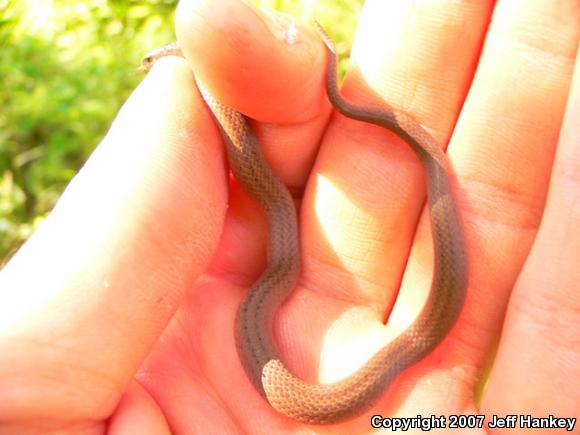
{"x": 288, "y": 394}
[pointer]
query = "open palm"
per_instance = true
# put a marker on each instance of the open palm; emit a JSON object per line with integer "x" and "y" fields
{"x": 117, "y": 315}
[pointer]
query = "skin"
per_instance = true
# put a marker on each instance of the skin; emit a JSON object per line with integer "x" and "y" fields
{"x": 119, "y": 311}
{"x": 338, "y": 401}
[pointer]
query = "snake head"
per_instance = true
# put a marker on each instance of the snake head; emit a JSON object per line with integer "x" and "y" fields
{"x": 171, "y": 49}
{"x": 146, "y": 63}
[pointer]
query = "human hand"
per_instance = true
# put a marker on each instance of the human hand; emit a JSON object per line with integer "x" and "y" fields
{"x": 152, "y": 231}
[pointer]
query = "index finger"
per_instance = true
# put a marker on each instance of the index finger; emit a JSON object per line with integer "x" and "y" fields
{"x": 86, "y": 297}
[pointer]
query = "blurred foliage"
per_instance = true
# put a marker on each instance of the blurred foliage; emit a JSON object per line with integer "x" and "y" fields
{"x": 65, "y": 69}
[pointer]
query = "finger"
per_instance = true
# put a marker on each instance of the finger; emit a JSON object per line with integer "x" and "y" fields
{"x": 362, "y": 207}
{"x": 270, "y": 69}
{"x": 365, "y": 175}
{"x": 267, "y": 67}
{"x": 502, "y": 152}
{"x": 89, "y": 293}
{"x": 537, "y": 368}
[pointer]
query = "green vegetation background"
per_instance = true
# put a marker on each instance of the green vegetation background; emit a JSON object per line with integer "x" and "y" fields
{"x": 66, "y": 67}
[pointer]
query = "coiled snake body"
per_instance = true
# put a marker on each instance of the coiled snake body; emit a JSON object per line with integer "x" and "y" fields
{"x": 330, "y": 403}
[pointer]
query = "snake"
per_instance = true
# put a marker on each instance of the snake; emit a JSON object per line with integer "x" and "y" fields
{"x": 253, "y": 328}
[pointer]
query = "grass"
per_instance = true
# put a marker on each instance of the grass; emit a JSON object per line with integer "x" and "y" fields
{"x": 65, "y": 73}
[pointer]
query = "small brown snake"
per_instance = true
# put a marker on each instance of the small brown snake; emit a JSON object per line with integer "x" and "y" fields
{"x": 331, "y": 403}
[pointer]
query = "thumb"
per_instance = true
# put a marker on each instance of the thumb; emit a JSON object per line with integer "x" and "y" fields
{"x": 85, "y": 298}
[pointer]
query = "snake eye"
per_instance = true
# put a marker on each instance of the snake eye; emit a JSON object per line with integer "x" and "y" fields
{"x": 147, "y": 62}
